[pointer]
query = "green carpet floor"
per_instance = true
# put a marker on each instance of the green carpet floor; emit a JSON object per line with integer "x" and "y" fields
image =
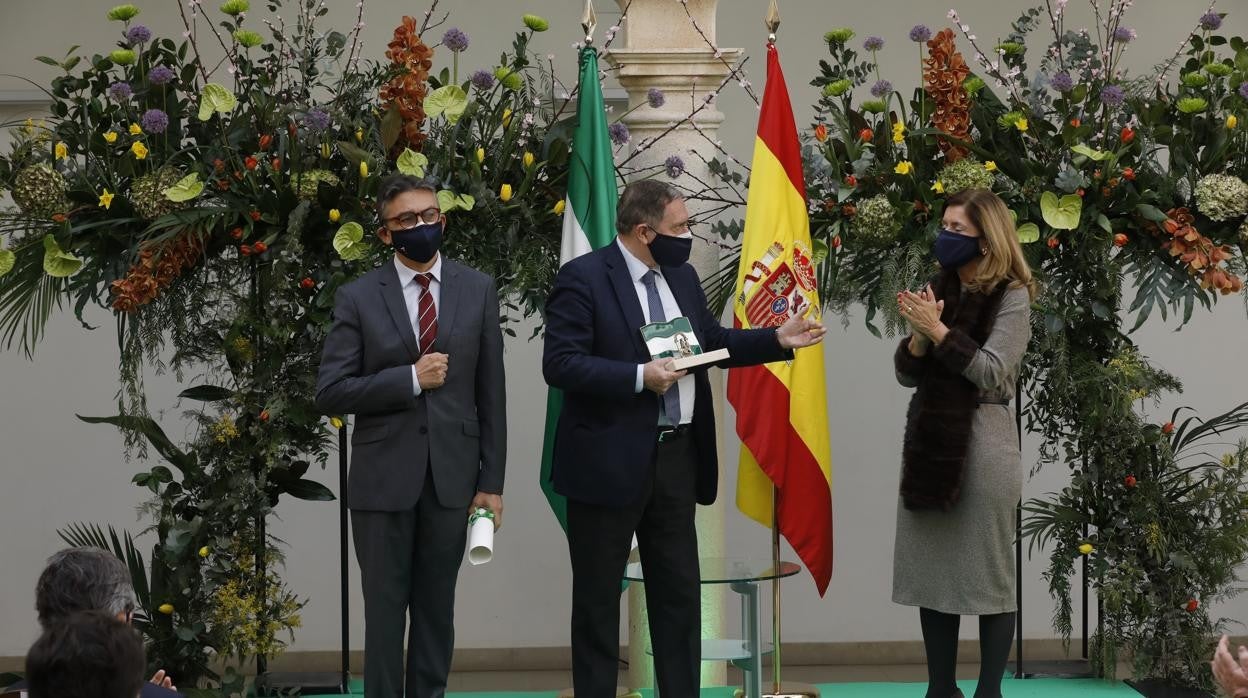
{"x": 1030, "y": 688}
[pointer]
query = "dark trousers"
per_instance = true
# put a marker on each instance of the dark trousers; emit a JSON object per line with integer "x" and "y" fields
{"x": 940, "y": 640}
{"x": 409, "y": 563}
{"x": 599, "y": 539}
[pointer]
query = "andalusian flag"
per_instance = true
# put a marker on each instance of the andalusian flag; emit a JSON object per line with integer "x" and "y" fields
{"x": 588, "y": 222}
{"x": 782, "y": 415}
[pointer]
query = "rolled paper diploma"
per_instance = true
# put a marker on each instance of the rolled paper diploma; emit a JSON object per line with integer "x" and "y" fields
{"x": 481, "y": 536}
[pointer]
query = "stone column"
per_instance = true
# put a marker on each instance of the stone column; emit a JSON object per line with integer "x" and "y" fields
{"x": 663, "y": 50}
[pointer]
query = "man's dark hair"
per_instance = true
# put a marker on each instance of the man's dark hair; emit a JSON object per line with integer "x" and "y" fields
{"x": 644, "y": 201}
{"x": 88, "y": 654}
{"x": 395, "y": 185}
{"x": 82, "y": 579}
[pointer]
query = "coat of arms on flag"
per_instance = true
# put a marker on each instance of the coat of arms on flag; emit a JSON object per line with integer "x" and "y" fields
{"x": 775, "y": 289}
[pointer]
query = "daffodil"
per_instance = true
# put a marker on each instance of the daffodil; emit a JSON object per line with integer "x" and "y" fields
{"x": 110, "y": 137}
{"x": 139, "y": 150}
{"x": 61, "y": 150}
{"x": 938, "y": 187}
{"x": 363, "y": 169}
{"x": 1021, "y": 124}
{"x": 899, "y": 132}
{"x": 504, "y": 193}
{"x": 135, "y": 130}
{"x": 904, "y": 167}
{"x": 528, "y": 160}
{"x": 991, "y": 166}
{"x": 106, "y": 199}
{"x": 334, "y": 215}
{"x": 559, "y": 206}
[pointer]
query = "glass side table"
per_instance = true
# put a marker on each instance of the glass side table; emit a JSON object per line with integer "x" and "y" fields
{"x": 743, "y": 575}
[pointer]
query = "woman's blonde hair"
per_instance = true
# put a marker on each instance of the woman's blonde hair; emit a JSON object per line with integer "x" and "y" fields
{"x": 1004, "y": 260}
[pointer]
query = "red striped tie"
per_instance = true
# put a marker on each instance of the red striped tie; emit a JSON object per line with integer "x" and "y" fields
{"x": 426, "y": 315}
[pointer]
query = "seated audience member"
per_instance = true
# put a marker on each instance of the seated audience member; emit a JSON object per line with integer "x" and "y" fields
{"x": 89, "y": 654}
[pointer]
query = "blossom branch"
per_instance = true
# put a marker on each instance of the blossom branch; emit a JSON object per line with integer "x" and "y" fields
{"x": 615, "y": 29}
{"x": 190, "y": 36}
{"x": 425, "y": 25}
{"x": 733, "y": 71}
{"x": 993, "y": 68}
{"x": 352, "y": 58}
{"x": 1168, "y": 65}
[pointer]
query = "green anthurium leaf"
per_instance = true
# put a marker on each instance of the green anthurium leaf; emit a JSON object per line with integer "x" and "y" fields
{"x": 412, "y": 163}
{"x": 57, "y": 262}
{"x": 215, "y": 98}
{"x": 450, "y": 201}
{"x": 348, "y": 241}
{"x": 7, "y": 260}
{"x": 1028, "y": 233}
{"x": 1096, "y": 155}
{"x": 450, "y": 100}
{"x": 186, "y": 189}
{"x": 1062, "y": 214}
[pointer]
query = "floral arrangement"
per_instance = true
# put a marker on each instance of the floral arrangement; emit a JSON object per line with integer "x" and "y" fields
{"x": 1112, "y": 179}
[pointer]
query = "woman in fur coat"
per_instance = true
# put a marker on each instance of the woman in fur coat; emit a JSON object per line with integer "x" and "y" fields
{"x": 961, "y": 468}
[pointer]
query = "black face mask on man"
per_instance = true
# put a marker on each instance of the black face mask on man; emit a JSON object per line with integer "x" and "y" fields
{"x": 419, "y": 243}
{"x": 953, "y": 250}
{"x": 671, "y": 251}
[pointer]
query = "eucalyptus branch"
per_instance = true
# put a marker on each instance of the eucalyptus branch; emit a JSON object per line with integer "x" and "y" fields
{"x": 1168, "y": 65}
{"x": 733, "y": 71}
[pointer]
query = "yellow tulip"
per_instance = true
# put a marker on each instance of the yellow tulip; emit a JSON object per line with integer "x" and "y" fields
{"x": 528, "y": 160}
{"x": 559, "y": 206}
{"x": 106, "y": 199}
{"x": 939, "y": 187}
{"x": 1232, "y": 121}
{"x": 135, "y": 129}
{"x": 904, "y": 167}
{"x": 359, "y": 135}
{"x": 1086, "y": 549}
{"x": 991, "y": 166}
{"x": 334, "y": 215}
{"x": 139, "y": 150}
{"x": 110, "y": 137}
{"x": 504, "y": 193}
{"x": 62, "y": 150}
{"x": 480, "y": 155}
{"x": 325, "y": 151}
{"x": 203, "y": 552}
{"x": 336, "y": 422}
{"x": 506, "y": 118}
{"x": 166, "y": 608}
{"x": 363, "y": 169}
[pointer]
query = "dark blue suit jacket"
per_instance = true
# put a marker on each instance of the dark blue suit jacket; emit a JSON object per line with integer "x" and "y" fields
{"x": 149, "y": 690}
{"x": 607, "y": 437}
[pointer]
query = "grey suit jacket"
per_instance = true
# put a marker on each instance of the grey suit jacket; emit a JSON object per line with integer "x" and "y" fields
{"x": 460, "y": 429}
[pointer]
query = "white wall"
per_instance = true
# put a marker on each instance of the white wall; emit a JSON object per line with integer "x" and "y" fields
{"x": 55, "y": 470}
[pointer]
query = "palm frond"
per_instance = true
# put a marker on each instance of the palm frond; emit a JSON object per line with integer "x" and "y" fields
{"x": 90, "y": 535}
{"x": 28, "y": 296}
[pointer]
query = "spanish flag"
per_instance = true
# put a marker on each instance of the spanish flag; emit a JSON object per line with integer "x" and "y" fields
{"x": 782, "y": 415}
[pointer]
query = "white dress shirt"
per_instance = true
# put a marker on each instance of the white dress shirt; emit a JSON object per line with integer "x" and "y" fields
{"x": 637, "y": 270}
{"x": 411, "y": 298}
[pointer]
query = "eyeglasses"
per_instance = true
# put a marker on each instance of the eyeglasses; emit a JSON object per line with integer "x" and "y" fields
{"x": 679, "y": 229}
{"x": 411, "y": 219}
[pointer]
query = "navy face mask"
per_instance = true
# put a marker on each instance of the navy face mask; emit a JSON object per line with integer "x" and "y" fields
{"x": 418, "y": 243}
{"x": 953, "y": 250}
{"x": 669, "y": 251}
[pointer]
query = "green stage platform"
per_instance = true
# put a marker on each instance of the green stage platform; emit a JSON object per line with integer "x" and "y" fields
{"x": 1029, "y": 688}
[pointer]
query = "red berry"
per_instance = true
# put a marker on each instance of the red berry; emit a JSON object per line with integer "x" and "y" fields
{"x": 1129, "y": 173}
{"x": 1120, "y": 239}
{"x": 1127, "y": 134}
{"x": 244, "y": 250}
{"x": 1052, "y": 243}
{"x": 255, "y": 215}
{"x": 260, "y": 247}
{"x": 1075, "y": 123}
{"x": 1167, "y": 428}
{"x": 1129, "y": 481}
{"x": 1192, "y": 605}
{"x": 307, "y": 283}
{"x": 866, "y": 135}
{"x": 851, "y": 180}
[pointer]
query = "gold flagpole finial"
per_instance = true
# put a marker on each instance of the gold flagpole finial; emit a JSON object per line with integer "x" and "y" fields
{"x": 589, "y": 20}
{"x": 772, "y": 21}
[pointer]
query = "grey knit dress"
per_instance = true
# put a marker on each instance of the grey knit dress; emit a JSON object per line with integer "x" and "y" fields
{"x": 962, "y": 561}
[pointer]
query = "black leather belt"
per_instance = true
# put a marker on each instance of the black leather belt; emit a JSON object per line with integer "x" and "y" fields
{"x": 667, "y": 433}
{"x": 992, "y": 401}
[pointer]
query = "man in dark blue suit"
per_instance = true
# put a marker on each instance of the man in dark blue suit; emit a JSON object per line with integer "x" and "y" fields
{"x": 635, "y": 445}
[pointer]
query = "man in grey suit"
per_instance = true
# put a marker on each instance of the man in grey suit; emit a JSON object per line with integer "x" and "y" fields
{"x": 415, "y": 352}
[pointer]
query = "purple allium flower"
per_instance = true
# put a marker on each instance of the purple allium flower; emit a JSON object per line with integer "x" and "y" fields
{"x": 138, "y": 34}
{"x": 655, "y": 97}
{"x": 920, "y": 33}
{"x": 455, "y": 40}
{"x": 618, "y": 133}
{"x": 160, "y": 75}
{"x": 674, "y": 165}
{"x": 154, "y": 121}
{"x": 882, "y": 89}
{"x": 1062, "y": 82}
{"x": 1124, "y": 34}
{"x": 316, "y": 120}
{"x": 1112, "y": 96}
{"x": 482, "y": 80}
{"x": 1243, "y": 89}
{"x": 873, "y": 43}
{"x": 120, "y": 91}
{"x": 1211, "y": 21}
